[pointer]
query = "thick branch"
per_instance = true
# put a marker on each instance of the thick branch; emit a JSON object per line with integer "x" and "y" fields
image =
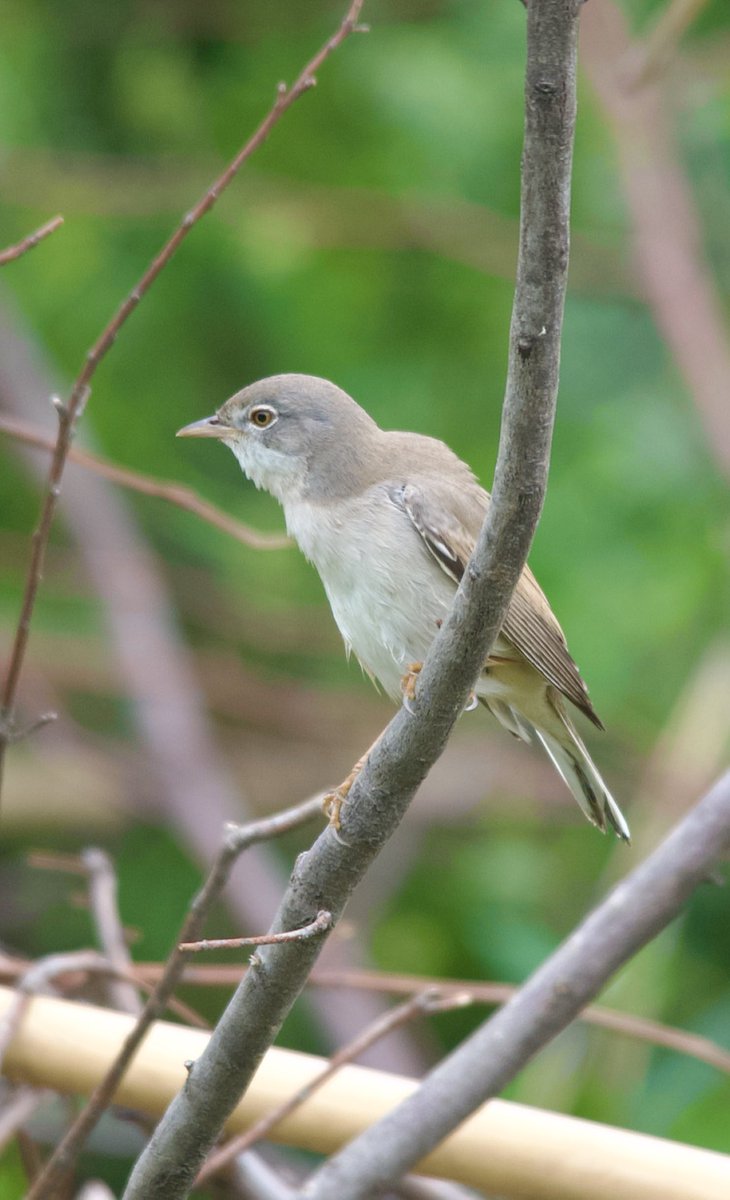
{"x": 326, "y": 875}
{"x": 643, "y": 904}
{"x": 425, "y": 1003}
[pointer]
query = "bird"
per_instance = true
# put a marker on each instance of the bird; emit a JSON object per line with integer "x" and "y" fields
{"x": 389, "y": 519}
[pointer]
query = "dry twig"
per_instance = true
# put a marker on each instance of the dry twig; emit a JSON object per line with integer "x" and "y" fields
{"x": 427, "y": 1002}
{"x": 642, "y": 904}
{"x": 103, "y": 903}
{"x": 237, "y": 839}
{"x": 628, "y": 1024}
{"x": 321, "y": 923}
{"x": 174, "y": 493}
{"x": 13, "y": 252}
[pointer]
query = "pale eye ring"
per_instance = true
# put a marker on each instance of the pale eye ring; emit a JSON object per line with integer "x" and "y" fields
{"x": 262, "y": 416}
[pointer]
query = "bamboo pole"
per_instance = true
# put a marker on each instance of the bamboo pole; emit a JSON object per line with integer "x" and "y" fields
{"x": 505, "y": 1148}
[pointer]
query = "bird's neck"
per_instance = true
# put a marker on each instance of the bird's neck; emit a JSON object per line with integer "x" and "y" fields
{"x": 280, "y": 474}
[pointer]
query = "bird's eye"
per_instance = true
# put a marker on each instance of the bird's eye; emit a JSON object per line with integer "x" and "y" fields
{"x": 261, "y": 417}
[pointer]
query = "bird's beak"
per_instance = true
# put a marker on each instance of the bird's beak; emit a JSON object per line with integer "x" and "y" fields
{"x": 211, "y": 427}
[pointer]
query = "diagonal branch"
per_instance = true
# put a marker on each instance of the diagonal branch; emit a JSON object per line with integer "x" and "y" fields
{"x": 136, "y": 481}
{"x": 12, "y": 252}
{"x": 326, "y": 876}
{"x": 236, "y": 840}
{"x": 69, "y": 413}
{"x": 643, "y": 904}
{"x": 425, "y": 1003}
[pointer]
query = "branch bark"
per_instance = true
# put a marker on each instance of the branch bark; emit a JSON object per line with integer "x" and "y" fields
{"x": 643, "y": 904}
{"x": 326, "y": 876}
{"x": 236, "y": 840}
{"x": 12, "y": 252}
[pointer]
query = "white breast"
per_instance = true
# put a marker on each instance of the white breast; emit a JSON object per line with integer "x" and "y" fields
{"x": 386, "y": 592}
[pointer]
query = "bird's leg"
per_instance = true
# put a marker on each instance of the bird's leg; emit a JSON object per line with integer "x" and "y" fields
{"x": 333, "y": 801}
{"x": 408, "y": 685}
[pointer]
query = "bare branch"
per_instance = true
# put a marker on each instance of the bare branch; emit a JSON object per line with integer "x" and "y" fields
{"x": 643, "y": 904}
{"x": 327, "y": 874}
{"x": 69, "y": 414}
{"x": 103, "y": 902}
{"x": 236, "y": 840}
{"x": 480, "y": 991}
{"x": 13, "y": 252}
{"x": 174, "y": 493}
{"x": 427, "y": 1002}
{"x": 628, "y": 1024}
{"x": 321, "y": 923}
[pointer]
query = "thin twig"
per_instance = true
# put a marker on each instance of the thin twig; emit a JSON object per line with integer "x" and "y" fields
{"x": 13, "y": 252}
{"x": 174, "y": 493}
{"x": 321, "y": 923}
{"x": 630, "y": 1025}
{"x": 221, "y": 975}
{"x": 69, "y": 413}
{"x": 236, "y": 840}
{"x": 103, "y": 903}
{"x": 427, "y": 1002}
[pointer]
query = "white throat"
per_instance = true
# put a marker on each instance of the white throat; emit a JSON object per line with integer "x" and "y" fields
{"x": 280, "y": 474}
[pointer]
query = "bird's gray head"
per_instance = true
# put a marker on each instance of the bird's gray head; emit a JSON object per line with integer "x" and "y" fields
{"x": 296, "y": 436}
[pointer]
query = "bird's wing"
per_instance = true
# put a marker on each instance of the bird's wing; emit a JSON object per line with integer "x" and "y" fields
{"x": 530, "y": 624}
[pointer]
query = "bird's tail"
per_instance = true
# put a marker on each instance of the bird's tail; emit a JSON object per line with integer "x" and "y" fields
{"x": 574, "y": 763}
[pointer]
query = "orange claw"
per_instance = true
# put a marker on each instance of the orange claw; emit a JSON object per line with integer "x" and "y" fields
{"x": 408, "y": 684}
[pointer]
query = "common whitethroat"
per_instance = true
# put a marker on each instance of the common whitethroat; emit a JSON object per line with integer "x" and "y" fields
{"x": 390, "y": 520}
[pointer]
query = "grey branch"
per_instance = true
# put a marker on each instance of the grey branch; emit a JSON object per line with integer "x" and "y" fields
{"x": 638, "y": 908}
{"x": 237, "y": 839}
{"x": 326, "y": 876}
{"x": 103, "y": 902}
{"x": 426, "y": 1002}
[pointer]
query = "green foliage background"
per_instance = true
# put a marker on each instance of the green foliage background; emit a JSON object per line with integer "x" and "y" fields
{"x": 352, "y": 248}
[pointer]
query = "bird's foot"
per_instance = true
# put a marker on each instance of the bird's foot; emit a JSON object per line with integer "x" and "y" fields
{"x": 333, "y": 801}
{"x": 408, "y": 685}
